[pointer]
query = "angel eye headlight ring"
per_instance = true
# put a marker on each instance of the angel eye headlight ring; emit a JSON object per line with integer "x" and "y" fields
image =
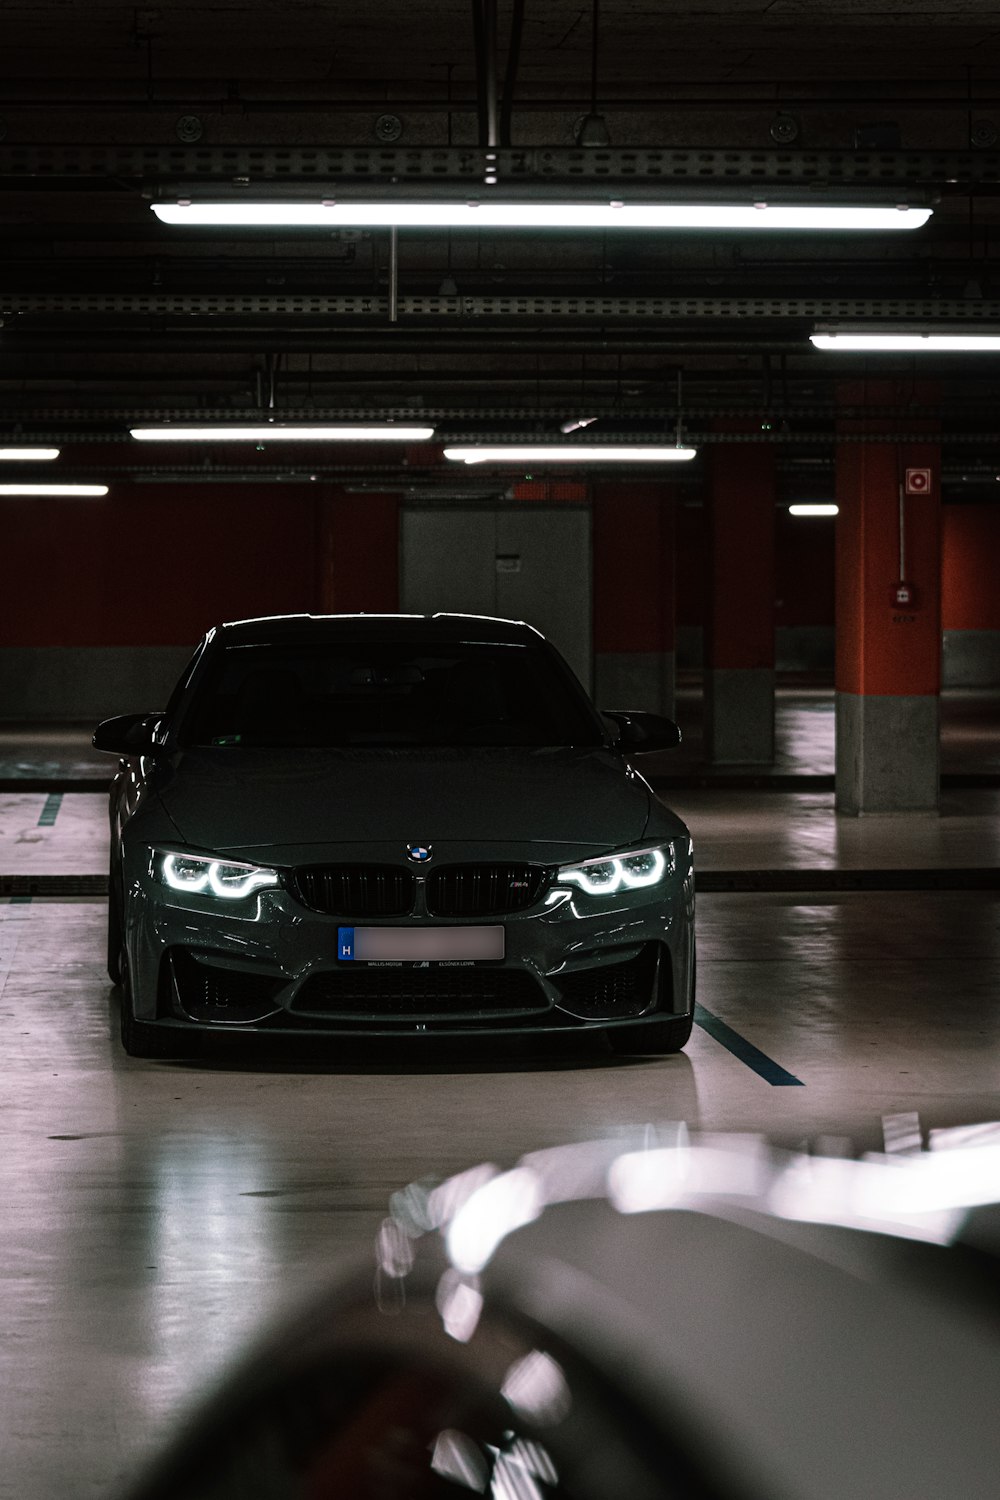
{"x": 605, "y": 877}
{"x": 230, "y": 880}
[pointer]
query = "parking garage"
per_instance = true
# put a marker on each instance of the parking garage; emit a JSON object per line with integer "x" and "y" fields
{"x": 741, "y": 472}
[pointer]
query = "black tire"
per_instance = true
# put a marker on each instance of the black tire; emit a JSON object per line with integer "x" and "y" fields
{"x": 138, "y": 1038}
{"x": 115, "y": 945}
{"x": 655, "y": 1036}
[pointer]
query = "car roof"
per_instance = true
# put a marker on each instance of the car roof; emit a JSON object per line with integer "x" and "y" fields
{"x": 443, "y": 628}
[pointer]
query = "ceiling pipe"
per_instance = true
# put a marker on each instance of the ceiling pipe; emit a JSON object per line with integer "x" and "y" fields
{"x": 510, "y": 77}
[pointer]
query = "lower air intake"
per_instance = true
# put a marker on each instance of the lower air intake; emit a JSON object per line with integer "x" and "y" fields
{"x": 404, "y": 994}
{"x": 209, "y": 992}
{"x": 614, "y": 992}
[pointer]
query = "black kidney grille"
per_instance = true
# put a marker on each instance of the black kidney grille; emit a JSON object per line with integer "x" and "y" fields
{"x": 483, "y": 890}
{"x": 612, "y": 992}
{"x": 354, "y": 890}
{"x": 386, "y": 993}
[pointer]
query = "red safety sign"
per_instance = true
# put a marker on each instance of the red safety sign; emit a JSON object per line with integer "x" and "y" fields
{"x": 918, "y": 481}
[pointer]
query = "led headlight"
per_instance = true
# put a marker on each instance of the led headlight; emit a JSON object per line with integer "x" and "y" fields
{"x": 210, "y": 877}
{"x": 631, "y": 872}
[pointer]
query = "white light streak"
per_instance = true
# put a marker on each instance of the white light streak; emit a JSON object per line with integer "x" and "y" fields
{"x": 492, "y": 1212}
{"x": 28, "y": 455}
{"x": 760, "y": 217}
{"x": 283, "y": 432}
{"x": 54, "y": 489}
{"x": 908, "y": 343}
{"x": 568, "y": 453}
{"x": 813, "y": 510}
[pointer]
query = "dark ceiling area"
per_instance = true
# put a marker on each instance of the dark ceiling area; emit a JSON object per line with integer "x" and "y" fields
{"x": 110, "y": 315}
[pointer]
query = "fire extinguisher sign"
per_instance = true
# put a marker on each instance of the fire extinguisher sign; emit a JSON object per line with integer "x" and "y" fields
{"x": 918, "y": 482}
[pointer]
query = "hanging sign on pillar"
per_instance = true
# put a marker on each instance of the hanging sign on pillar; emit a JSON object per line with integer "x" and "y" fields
{"x": 918, "y": 481}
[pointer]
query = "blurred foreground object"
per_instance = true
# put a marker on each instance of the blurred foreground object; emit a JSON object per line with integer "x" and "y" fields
{"x": 663, "y": 1316}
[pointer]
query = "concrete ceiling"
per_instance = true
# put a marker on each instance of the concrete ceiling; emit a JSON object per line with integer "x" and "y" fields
{"x": 107, "y": 313}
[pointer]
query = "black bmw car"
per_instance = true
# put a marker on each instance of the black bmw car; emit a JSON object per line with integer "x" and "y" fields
{"x": 389, "y": 824}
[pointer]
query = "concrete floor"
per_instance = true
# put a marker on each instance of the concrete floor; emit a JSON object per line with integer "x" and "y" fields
{"x": 154, "y": 1213}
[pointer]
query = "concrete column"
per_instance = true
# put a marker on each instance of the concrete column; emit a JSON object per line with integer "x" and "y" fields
{"x": 888, "y": 651}
{"x": 739, "y": 616}
{"x": 634, "y": 602}
{"x": 357, "y": 552}
{"x": 970, "y": 596}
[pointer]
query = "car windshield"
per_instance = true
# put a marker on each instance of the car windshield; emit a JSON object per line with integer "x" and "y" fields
{"x": 388, "y": 693}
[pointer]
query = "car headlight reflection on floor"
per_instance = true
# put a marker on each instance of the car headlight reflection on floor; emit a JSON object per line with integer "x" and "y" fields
{"x": 605, "y": 877}
{"x": 210, "y": 877}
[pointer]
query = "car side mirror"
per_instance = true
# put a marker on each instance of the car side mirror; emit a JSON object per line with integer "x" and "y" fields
{"x": 128, "y": 734}
{"x": 640, "y": 733}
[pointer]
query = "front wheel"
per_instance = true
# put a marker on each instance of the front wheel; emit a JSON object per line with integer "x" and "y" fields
{"x": 656, "y": 1036}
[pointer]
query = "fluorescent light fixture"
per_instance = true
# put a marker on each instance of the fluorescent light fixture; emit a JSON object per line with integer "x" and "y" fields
{"x": 908, "y": 343}
{"x": 281, "y": 432}
{"x": 53, "y": 489}
{"x": 28, "y": 455}
{"x": 813, "y": 510}
{"x": 575, "y": 423}
{"x": 568, "y": 453}
{"x": 328, "y": 214}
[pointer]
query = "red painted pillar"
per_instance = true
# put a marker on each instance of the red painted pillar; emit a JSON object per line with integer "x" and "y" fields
{"x": 970, "y": 595}
{"x": 888, "y": 645}
{"x": 357, "y": 553}
{"x": 634, "y": 596}
{"x": 739, "y": 617}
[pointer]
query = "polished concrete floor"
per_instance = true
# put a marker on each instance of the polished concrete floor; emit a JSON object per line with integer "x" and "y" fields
{"x": 153, "y": 1214}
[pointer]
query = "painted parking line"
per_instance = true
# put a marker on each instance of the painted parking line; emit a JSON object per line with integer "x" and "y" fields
{"x": 764, "y": 1066}
{"x": 50, "y": 811}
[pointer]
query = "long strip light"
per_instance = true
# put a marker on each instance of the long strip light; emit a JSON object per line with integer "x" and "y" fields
{"x": 28, "y": 455}
{"x": 813, "y": 510}
{"x": 280, "y": 432}
{"x": 572, "y": 453}
{"x": 327, "y": 214}
{"x": 53, "y": 489}
{"x": 908, "y": 343}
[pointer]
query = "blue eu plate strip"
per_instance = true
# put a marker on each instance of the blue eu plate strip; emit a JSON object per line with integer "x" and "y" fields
{"x": 345, "y": 944}
{"x": 764, "y": 1066}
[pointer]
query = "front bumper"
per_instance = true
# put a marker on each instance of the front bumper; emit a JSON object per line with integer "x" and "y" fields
{"x": 268, "y": 964}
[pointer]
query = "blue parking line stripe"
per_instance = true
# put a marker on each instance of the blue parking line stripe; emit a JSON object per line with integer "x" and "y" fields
{"x": 762, "y": 1065}
{"x": 50, "y": 811}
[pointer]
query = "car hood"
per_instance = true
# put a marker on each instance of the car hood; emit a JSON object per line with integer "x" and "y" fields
{"x": 255, "y": 800}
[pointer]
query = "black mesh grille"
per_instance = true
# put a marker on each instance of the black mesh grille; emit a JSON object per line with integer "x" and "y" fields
{"x": 381, "y": 993}
{"x": 354, "y": 890}
{"x": 483, "y": 890}
{"x": 208, "y": 992}
{"x": 612, "y": 992}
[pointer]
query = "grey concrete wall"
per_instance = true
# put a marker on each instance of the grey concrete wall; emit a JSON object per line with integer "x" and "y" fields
{"x": 888, "y": 755}
{"x": 635, "y": 679}
{"x": 797, "y": 648}
{"x": 739, "y": 716}
{"x": 970, "y": 658}
{"x": 87, "y": 682}
{"x": 804, "y": 648}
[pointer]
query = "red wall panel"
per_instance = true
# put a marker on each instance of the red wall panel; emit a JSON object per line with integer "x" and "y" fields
{"x": 970, "y": 567}
{"x": 153, "y": 564}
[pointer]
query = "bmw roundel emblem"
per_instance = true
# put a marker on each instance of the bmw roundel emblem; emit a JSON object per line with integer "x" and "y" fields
{"x": 419, "y": 853}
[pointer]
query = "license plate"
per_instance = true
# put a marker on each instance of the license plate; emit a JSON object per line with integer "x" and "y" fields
{"x": 420, "y": 944}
